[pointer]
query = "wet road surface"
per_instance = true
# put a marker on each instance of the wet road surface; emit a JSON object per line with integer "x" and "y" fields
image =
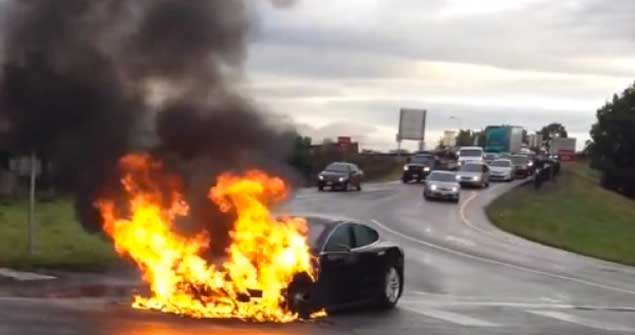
{"x": 463, "y": 276}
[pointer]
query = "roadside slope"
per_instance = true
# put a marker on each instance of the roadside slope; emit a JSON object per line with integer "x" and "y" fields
{"x": 574, "y": 214}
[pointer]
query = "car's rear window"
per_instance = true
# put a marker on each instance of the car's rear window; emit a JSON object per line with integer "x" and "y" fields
{"x": 446, "y": 177}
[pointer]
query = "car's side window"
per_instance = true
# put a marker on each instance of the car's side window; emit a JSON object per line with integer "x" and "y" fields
{"x": 364, "y": 235}
{"x": 341, "y": 239}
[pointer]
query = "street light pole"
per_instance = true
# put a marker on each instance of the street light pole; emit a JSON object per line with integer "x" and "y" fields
{"x": 458, "y": 120}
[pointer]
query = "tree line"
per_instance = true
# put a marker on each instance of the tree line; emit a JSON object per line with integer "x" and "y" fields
{"x": 612, "y": 147}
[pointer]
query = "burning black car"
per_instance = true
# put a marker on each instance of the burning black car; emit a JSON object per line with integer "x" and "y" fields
{"x": 355, "y": 267}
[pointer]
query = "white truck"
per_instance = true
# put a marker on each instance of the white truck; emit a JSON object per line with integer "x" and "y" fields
{"x": 563, "y": 147}
{"x": 470, "y": 154}
{"x": 562, "y": 143}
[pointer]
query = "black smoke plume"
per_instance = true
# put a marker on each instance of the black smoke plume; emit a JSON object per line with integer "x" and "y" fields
{"x": 84, "y": 82}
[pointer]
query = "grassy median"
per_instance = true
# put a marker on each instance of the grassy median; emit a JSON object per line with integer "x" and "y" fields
{"x": 574, "y": 213}
{"x": 60, "y": 242}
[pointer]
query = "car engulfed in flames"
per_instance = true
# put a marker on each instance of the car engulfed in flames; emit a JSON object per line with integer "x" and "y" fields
{"x": 264, "y": 255}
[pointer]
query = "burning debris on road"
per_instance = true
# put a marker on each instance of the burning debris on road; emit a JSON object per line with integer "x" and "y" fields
{"x": 84, "y": 83}
{"x": 264, "y": 255}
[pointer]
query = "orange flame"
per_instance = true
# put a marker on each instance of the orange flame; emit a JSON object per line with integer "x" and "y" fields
{"x": 264, "y": 254}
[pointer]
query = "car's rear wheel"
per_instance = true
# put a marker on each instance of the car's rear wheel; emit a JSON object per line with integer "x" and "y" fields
{"x": 359, "y": 187}
{"x": 391, "y": 288}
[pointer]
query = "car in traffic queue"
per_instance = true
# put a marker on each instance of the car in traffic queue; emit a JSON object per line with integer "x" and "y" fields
{"x": 442, "y": 185}
{"x": 473, "y": 174}
{"x": 523, "y": 166}
{"x": 354, "y": 265}
{"x": 490, "y": 157}
{"x": 418, "y": 168}
{"x": 470, "y": 155}
{"x": 341, "y": 175}
{"x": 501, "y": 170}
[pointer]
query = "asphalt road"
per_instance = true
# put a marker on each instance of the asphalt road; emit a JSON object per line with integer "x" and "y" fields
{"x": 463, "y": 276}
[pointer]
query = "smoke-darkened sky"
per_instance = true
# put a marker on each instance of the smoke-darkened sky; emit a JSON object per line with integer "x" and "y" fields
{"x": 346, "y": 67}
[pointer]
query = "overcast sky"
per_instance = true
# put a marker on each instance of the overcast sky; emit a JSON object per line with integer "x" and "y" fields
{"x": 346, "y": 67}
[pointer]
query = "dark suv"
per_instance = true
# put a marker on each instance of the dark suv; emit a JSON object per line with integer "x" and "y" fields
{"x": 419, "y": 168}
{"x": 340, "y": 175}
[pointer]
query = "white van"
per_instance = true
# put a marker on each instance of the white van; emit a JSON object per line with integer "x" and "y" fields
{"x": 471, "y": 154}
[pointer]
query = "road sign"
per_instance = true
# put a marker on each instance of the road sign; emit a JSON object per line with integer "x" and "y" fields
{"x": 412, "y": 124}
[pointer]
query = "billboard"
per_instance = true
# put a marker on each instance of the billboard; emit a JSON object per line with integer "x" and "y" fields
{"x": 412, "y": 124}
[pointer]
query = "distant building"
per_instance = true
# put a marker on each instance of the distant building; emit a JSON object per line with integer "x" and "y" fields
{"x": 449, "y": 138}
{"x": 344, "y": 146}
{"x": 534, "y": 140}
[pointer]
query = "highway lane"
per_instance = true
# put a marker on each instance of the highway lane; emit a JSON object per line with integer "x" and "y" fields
{"x": 462, "y": 276}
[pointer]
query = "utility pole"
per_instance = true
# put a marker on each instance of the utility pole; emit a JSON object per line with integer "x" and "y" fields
{"x": 31, "y": 227}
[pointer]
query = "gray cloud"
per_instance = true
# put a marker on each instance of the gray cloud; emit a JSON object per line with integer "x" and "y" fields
{"x": 541, "y": 37}
{"x": 534, "y": 63}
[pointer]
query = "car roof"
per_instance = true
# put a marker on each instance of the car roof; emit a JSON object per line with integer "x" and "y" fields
{"x": 502, "y": 160}
{"x": 331, "y": 223}
{"x": 470, "y": 148}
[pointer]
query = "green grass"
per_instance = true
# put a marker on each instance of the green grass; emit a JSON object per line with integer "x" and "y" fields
{"x": 574, "y": 213}
{"x": 60, "y": 241}
{"x": 392, "y": 175}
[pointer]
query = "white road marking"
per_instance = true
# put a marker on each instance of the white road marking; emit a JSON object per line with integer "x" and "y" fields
{"x": 462, "y": 241}
{"x": 547, "y": 299}
{"x": 513, "y": 304}
{"x": 468, "y": 223}
{"x": 501, "y": 263}
{"x": 464, "y": 205}
{"x": 23, "y": 276}
{"x": 455, "y": 318}
{"x": 582, "y": 321}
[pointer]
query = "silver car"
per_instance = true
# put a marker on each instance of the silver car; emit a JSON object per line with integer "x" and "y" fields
{"x": 473, "y": 174}
{"x": 501, "y": 169}
{"x": 442, "y": 185}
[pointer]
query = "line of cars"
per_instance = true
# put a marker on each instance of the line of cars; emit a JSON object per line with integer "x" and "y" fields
{"x": 356, "y": 265}
{"x": 477, "y": 169}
